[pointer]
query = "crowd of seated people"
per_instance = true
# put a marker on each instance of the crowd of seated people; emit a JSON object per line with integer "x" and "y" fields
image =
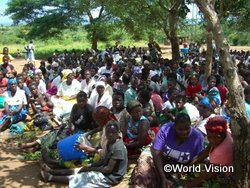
{"x": 128, "y": 102}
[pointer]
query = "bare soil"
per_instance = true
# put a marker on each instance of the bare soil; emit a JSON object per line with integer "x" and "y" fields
{"x": 16, "y": 173}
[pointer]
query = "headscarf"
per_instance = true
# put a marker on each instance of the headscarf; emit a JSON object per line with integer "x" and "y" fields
{"x": 99, "y": 83}
{"x": 217, "y": 124}
{"x": 210, "y": 101}
{"x": 132, "y": 104}
{"x": 103, "y": 112}
{"x": 65, "y": 73}
{"x": 12, "y": 80}
{"x": 152, "y": 73}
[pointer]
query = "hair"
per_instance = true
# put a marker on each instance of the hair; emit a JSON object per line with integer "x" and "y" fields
{"x": 113, "y": 123}
{"x": 246, "y": 75}
{"x": 182, "y": 118}
{"x": 20, "y": 77}
{"x": 247, "y": 90}
{"x": 217, "y": 124}
{"x": 32, "y": 84}
{"x": 211, "y": 77}
{"x": 141, "y": 86}
{"x": 171, "y": 79}
{"x": 191, "y": 76}
{"x": 172, "y": 75}
{"x": 171, "y": 91}
{"x": 145, "y": 94}
{"x": 119, "y": 93}
{"x": 117, "y": 74}
{"x": 218, "y": 79}
{"x": 180, "y": 96}
{"x": 81, "y": 95}
{"x": 126, "y": 78}
{"x": 154, "y": 121}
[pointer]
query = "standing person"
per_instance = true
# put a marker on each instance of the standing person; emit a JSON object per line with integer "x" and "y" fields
{"x": 31, "y": 54}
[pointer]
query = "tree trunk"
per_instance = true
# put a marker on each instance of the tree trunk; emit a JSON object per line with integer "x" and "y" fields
{"x": 239, "y": 119}
{"x": 209, "y": 53}
{"x": 173, "y": 20}
{"x": 94, "y": 39}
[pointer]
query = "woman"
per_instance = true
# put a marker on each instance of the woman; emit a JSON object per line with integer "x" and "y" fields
{"x": 14, "y": 109}
{"x": 206, "y": 110}
{"x": 75, "y": 123}
{"x": 219, "y": 151}
{"x": 137, "y": 129}
{"x": 102, "y": 98}
{"x": 101, "y": 115}
{"x": 175, "y": 143}
{"x": 144, "y": 97}
{"x": 120, "y": 111}
{"x": 66, "y": 94}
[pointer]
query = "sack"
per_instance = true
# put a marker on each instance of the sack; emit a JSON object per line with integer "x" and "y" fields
{"x": 43, "y": 123}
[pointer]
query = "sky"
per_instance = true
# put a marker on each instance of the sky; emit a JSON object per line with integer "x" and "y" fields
{"x": 4, "y": 19}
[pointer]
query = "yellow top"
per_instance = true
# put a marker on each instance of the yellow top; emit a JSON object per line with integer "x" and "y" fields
{"x": 1, "y": 58}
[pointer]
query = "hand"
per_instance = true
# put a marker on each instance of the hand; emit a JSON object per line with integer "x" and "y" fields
{"x": 165, "y": 183}
{"x": 80, "y": 146}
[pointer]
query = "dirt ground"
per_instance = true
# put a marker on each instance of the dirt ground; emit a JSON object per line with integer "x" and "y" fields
{"x": 16, "y": 173}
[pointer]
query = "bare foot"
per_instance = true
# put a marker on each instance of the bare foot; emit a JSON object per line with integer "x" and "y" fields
{"x": 44, "y": 166}
{"x": 46, "y": 177}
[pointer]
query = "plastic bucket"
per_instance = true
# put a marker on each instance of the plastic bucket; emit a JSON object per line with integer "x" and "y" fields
{"x": 67, "y": 150}
{"x": 184, "y": 50}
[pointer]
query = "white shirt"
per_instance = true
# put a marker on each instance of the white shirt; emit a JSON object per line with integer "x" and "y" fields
{"x": 106, "y": 101}
{"x": 41, "y": 87}
{"x": 87, "y": 88}
{"x": 67, "y": 91}
{"x": 56, "y": 82}
{"x": 104, "y": 70}
{"x": 17, "y": 99}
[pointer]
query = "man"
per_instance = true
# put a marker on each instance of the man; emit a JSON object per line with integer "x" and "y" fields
{"x": 5, "y": 52}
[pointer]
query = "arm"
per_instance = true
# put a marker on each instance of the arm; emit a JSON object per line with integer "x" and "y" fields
{"x": 18, "y": 109}
{"x": 143, "y": 131}
{"x": 157, "y": 157}
{"x": 49, "y": 103}
{"x": 201, "y": 156}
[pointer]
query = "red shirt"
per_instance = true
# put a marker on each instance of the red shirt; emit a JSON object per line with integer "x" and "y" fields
{"x": 190, "y": 90}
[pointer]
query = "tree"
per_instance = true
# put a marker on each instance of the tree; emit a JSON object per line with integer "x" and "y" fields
{"x": 239, "y": 119}
{"x": 48, "y": 18}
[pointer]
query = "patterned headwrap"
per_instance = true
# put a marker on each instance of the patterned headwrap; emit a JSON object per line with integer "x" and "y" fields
{"x": 65, "y": 73}
{"x": 132, "y": 104}
{"x": 210, "y": 101}
{"x": 12, "y": 80}
{"x": 102, "y": 112}
{"x": 217, "y": 124}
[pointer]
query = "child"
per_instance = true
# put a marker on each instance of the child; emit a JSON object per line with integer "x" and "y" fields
{"x": 172, "y": 93}
{"x": 18, "y": 54}
{"x": 40, "y": 84}
{"x": 104, "y": 173}
{"x": 180, "y": 108}
{"x": 39, "y": 101}
{"x": 192, "y": 89}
